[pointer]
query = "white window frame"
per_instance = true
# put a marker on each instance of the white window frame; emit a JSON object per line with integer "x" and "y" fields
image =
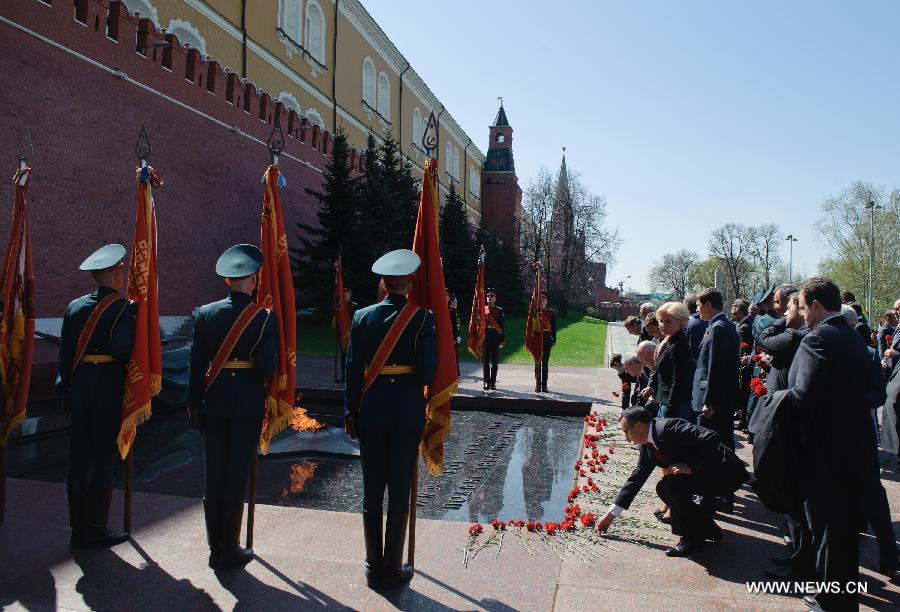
{"x": 368, "y": 69}
{"x": 418, "y": 127}
{"x": 448, "y": 162}
{"x": 456, "y": 164}
{"x": 317, "y": 54}
{"x": 293, "y": 31}
{"x": 383, "y": 95}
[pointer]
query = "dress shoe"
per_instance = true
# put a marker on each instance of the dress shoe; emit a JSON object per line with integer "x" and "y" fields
{"x": 102, "y": 538}
{"x": 684, "y": 548}
{"x": 810, "y": 600}
{"x": 485, "y": 387}
{"x": 231, "y": 554}
{"x": 788, "y": 542}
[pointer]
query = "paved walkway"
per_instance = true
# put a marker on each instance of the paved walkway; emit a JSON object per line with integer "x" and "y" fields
{"x": 309, "y": 559}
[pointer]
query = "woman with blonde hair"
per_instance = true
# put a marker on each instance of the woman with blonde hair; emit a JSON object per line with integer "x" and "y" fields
{"x": 673, "y": 362}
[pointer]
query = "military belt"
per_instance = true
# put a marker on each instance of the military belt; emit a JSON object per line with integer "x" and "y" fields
{"x": 397, "y": 369}
{"x": 98, "y": 359}
{"x": 238, "y": 364}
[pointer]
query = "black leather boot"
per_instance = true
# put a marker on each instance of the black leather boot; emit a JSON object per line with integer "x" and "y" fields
{"x": 230, "y": 552}
{"x": 213, "y": 530}
{"x": 75, "y": 495}
{"x": 493, "y": 377}
{"x": 394, "y": 571}
{"x": 537, "y": 378}
{"x": 373, "y": 535}
{"x": 544, "y": 376}
{"x": 95, "y": 505}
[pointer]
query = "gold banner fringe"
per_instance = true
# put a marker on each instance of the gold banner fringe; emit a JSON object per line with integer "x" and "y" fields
{"x": 275, "y": 422}
{"x": 433, "y": 462}
{"x": 131, "y": 424}
{"x": 155, "y": 384}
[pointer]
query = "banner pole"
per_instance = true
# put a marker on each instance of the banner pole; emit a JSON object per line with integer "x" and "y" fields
{"x": 413, "y": 494}
{"x": 251, "y": 503}
{"x": 129, "y": 489}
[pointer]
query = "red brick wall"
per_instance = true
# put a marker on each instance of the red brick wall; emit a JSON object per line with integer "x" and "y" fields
{"x": 499, "y": 202}
{"x": 85, "y": 123}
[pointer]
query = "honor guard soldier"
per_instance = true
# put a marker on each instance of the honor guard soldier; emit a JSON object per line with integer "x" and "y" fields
{"x": 494, "y": 338}
{"x": 234, "y": 353}
{"x": 390, "y": 359}
{"x": 453, "y": 305}
{"x": 95, "y": 345}
{"x": 548, "y": 327}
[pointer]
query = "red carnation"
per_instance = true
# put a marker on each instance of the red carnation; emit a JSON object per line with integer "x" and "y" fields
{"x": 745, "y": 346}
{"x": 588, "y": 519}
{"x": 760, "y": 390}
{"x": 475, "y": 529}
{"x": 498, "y": 525}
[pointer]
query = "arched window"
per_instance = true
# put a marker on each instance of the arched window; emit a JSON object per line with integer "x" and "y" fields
{"x": 315, "y": 31}
{"x": 384, "y": 96}
{"x": 476, "y": 184}
{"x": 456, "y": 164}
{"x": 187, "y": 33}
{"x": 417, "y": 127}
{"x": 315, "y": 118}
{"x": 289, "y": 19}
{"x": 448, "y": 159}
{"x": 368, "y": 88}
{"x": 500, "y": 137}
{"x": 471, "y": 178}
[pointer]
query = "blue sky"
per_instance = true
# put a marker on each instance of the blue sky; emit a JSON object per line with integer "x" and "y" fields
{"x": 684, "y": 114}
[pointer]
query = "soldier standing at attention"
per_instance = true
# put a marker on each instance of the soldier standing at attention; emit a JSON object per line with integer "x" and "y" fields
{"x": 234, "y": 351}
{"x": 95, "y": 345}
{"x": 494, "y": 338}
{"x": 453, "y": 304}
{"x": 390, "y": 359}
{"x": 548, "y": 327}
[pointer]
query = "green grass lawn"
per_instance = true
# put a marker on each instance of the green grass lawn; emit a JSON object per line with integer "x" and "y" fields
{"x": 580, "y": 341}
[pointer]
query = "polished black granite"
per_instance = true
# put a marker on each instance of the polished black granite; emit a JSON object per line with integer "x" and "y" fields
{"x": 496, "y": 465}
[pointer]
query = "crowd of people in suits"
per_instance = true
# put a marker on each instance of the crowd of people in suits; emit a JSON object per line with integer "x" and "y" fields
{"x": 809, "y": 352}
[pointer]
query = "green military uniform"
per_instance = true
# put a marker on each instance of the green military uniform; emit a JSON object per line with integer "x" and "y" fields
{"x": 92, "y": 391}
{"x": 389, "y": 417}
{"x": 230, "y": 412}
{"x": 542, "y": 370}
{"x": 493, "y": 338}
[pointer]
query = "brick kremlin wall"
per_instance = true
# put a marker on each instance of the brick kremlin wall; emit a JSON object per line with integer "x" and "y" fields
{"x": 85, "y": 122}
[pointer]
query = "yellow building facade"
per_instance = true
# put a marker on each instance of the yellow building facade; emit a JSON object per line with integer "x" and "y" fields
{"x": 332, "y": 63}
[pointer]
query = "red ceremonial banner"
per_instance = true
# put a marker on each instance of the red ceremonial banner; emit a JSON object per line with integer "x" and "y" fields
{"x": 17, "y": 326}
{"x": 534, "y": 336}
{"x": 276, "y": 293}
{"x": 143, "y": 377}
{"x": 475, "y": 340}
{"x": 341, "y": 314}
{"x": 428, "y": 291}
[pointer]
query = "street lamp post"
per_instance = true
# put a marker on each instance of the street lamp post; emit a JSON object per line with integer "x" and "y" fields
{"x": 621, "y": 284}
{"x": 790, "y": 238}
{"x": 871, "y": 207}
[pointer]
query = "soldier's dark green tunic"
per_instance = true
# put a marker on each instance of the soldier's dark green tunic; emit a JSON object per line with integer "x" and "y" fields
{"x": 234, "y": 405}
{"x": 391, "y": 415}
{"x": 93, "y": 393}
{"x": 92, "y": 396}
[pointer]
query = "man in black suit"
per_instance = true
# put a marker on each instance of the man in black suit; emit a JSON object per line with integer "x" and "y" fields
{"x": 694, "y": 462}
{"x": 828, "y": 382}
{"x": 716, "y": 378}
{"x": 743, "y": 322}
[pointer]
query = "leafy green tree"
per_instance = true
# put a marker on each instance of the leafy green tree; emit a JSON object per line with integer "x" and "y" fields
{"x": 459, "y": 252}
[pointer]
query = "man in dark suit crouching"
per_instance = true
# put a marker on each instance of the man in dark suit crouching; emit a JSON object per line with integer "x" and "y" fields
{"x": 695, "y": 462}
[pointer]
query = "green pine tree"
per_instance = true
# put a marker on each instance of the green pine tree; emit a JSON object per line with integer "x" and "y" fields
{"x": 459, "y": 251}
{"x": 319, "y": 244}
{"x": 402, "y": 197}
